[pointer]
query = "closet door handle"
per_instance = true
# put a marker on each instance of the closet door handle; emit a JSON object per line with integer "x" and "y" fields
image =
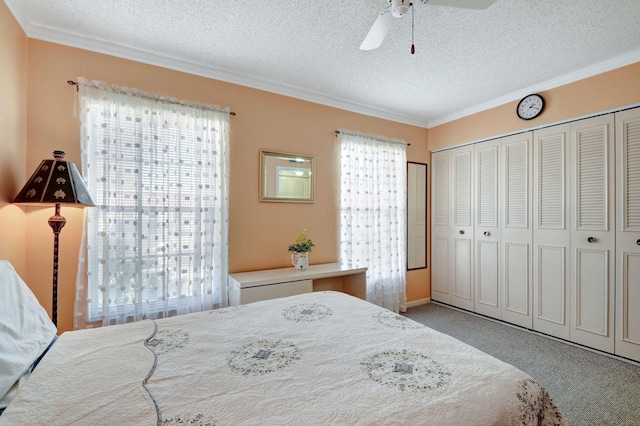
{"x": 591, "y": 240}
{"x": 461, "y": 232}
{"x": 487, "y": 233}
{"x": 638, "y": 242}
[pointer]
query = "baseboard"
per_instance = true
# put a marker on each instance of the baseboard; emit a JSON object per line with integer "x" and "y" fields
{"x": 418, "y": 302}
{"x": 539, "y": 333}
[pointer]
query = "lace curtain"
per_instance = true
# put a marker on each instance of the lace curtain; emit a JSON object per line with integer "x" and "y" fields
{"x": 373, "y": 214}
{"x": 156, "y": 243}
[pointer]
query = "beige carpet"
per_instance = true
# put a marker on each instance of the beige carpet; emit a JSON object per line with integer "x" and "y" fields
{"x": 588, "y": 387}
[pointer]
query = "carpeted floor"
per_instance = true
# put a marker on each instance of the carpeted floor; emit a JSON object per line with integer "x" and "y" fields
{"x": 589, "y": 388}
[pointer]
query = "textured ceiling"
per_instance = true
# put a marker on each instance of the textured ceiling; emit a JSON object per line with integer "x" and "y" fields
{"x": 466, "y": 60}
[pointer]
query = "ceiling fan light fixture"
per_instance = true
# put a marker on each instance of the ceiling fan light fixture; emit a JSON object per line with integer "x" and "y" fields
{"x": 399, "y": 8}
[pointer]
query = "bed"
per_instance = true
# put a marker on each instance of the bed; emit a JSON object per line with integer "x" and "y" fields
{"x": 316, "y": 358}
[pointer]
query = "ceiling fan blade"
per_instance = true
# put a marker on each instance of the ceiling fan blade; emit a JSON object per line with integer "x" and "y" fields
{"x": 378, "y": 30}
{"x": 469, "y": 4}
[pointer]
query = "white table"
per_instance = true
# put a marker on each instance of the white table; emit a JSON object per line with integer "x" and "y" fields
{"x": 273, "y": 283}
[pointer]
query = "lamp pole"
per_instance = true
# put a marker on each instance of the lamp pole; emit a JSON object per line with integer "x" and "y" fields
{"x": 56, "y": 222}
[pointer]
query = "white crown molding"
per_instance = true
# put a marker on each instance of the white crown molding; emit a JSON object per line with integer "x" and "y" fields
{"x": 590, "y": 71}
{"x": 208, "y": 71}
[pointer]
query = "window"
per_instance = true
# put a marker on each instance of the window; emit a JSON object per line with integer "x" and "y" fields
{"x": 156, "y": 243}
{"x": 373, "y": 213}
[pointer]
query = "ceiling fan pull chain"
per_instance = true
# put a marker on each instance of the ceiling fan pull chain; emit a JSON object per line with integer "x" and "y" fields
{"x": 413, "y": 48}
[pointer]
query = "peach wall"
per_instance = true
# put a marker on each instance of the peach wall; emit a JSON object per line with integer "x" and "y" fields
{"x": 13, "y": 138}
{"x": 259, "y": 233}
{"x": 613, "y": 89}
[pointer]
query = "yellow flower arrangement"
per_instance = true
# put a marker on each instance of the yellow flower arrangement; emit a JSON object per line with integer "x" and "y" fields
{"x": 303, "y": 244}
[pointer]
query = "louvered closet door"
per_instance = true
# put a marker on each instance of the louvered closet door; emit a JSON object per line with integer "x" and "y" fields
{"x": 440, "y": 226}
{"x": 516, "y": 230}
{"x": 592, "y": 234}
{"x": 487, "y": 230}
{"x": 551, "y": 233}
{"x": 462, "y": 228}
{"x": 627, "y": 341}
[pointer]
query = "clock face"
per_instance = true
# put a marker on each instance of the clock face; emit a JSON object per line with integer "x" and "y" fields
{"x": 530, "y": 107}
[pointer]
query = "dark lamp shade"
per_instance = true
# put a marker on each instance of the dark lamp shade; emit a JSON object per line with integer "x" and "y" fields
{"x": 55, "y": 182}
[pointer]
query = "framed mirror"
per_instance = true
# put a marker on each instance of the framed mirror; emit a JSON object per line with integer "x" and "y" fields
{"x": 416, "y": 215}
{"x": 286, "y": 178}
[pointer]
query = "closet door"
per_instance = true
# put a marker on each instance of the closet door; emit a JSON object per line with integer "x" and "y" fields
{"x": 516, "y": 232}
{"x": 551, "y": 234}
{"x": 462, "y": 228}
{"x": 592, "y": 233}
{"x": 440, "y": 226}
{"x": 487, "y": 229}
{"x": 627, "y": 341}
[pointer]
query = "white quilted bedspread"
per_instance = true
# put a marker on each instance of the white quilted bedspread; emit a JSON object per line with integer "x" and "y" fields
{"x": 313, "y": 359}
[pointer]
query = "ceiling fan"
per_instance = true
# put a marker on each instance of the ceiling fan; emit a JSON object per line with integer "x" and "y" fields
{"x": 399, "y": 8}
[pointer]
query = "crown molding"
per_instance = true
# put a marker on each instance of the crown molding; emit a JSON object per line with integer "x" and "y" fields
{"x": 204, "y": 70}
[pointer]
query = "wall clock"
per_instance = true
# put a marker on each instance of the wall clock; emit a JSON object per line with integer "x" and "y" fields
{"x": 530, "y": 106}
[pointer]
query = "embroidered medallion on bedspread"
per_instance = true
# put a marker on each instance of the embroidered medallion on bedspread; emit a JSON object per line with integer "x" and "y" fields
{"x": 319, "y": 358}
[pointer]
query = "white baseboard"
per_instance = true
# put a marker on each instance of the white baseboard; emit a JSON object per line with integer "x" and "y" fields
{"x": 418, "y": 302}
{"x": 538, "y": 333}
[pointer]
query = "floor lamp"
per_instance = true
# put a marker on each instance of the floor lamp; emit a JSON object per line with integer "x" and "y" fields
{"x": 56, "y": 182}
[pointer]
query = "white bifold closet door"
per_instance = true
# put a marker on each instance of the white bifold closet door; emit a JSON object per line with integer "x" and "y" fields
{"x": 503, "y": 234}
{"x": 440, "y": 226}
{"x": 488, "y": 253}
{"x": 488, "y": 225}
{"x": 551, "y": 233}
{"x": 462, "y": 228}
{"x": 452, "y": 227}
{"x": 627, "y": 340}
{"x": 592, "y": 232}
{"x": 516, "y": 231}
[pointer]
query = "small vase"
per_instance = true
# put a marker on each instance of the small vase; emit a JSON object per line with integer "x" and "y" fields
{"x": 300, "y": 261}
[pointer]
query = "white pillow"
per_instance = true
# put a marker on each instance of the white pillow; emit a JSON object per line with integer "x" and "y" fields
{"x": 25, "y": 331}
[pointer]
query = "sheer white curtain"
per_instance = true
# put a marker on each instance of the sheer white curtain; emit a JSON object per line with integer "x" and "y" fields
{"x": 156, "y": 244}
{"x": 373, "y": 214}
